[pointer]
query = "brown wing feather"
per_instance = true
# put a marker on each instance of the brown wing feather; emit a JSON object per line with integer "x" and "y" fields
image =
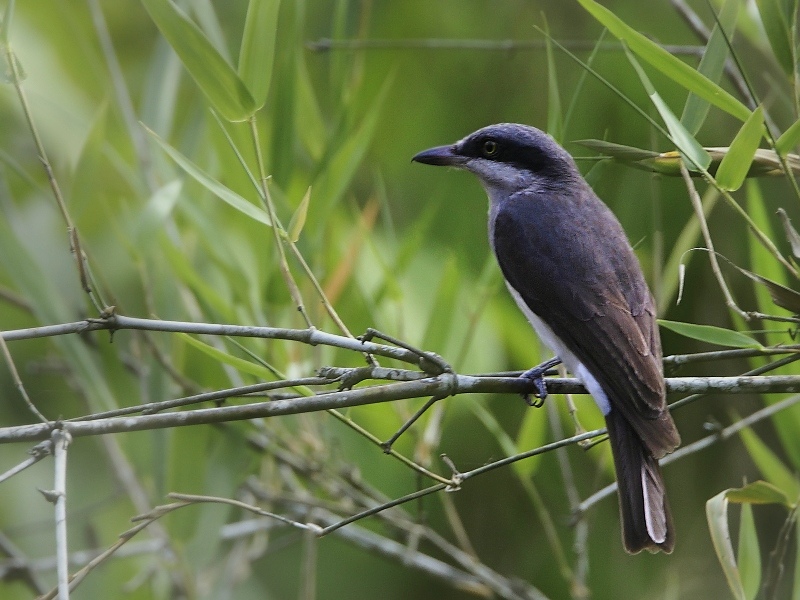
{"x": 601, "y": 309}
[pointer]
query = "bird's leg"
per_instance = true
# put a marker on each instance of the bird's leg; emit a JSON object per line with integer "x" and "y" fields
{"x": 536, "y": 375}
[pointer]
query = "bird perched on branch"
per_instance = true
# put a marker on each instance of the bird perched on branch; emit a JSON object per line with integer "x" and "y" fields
{"x": 572, "y": 272}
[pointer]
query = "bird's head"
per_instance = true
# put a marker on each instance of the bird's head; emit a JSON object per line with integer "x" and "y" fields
{"x": 507, "y": 158}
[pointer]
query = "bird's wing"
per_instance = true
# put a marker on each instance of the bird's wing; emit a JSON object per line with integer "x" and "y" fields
{"x": 601, "y": 308}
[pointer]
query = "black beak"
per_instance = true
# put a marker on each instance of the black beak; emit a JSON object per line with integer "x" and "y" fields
{"x": 440, "y": 156}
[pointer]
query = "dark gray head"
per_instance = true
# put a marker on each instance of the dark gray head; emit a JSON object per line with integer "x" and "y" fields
{"x": 507, "y": 158}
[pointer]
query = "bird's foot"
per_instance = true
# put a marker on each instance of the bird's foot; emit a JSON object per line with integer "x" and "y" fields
{"x": 536, "y": 375}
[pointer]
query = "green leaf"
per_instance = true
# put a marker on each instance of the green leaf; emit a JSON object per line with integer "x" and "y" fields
{"x": 758, "y": 492}
{"x": 672, "y": 67}
{"x": 618, "y": 151}
{"x": 791, "y": 233}
{"x": 744, "y": 577}
{"x": 749, "y": 553}
{"x": 711, "y": 334}
{"x": 337, "y": 174}
{"x": 257, "y": 53}
{"x": 240, "y": 364}
{"x": 5, "y": 26}
{"x": 736, "y": 163}
{"x": 555, "y": 118}
{"x": 776, "y": 15}
{"x": 781, "y": 295}
{"x": 687, "y": 145}
{"x": 226, "y": 92}
{"x": 771, "y": 467}
{"x": 789, "y": 139}
{"x": 299, "y": 217}
{"x": 711, "y": 65}
{"x": 717, "y": 517}
{"x": 222, "y": 192}
{"x": 156, "y": 211}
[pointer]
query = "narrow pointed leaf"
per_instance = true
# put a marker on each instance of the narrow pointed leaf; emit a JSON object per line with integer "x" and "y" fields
{"x": 759, "y": 492}
{"x": 776, "y": 17}
{"x": 226, "y": 92}
{"x": 245, "y": 366}
{"x": 299, "y": 217}
{"x": 711, "y": 334}
{"x": 789, "y": 139}
{"x": 717, "y": 517}
{"x": 5, "y": 26}
{"x": 555, "y": 118}
{"x": 215, "y": 187}
{"x": 749, "y": 553}
{"x": 618, "y": 151}
{"x": 688, "y": 146}
{"x": 736, "y": 163}
{"x": 743, "y": 577}
{"x": 672, "y": 67}
{"x": 711, "y": 65}
{"x": 791, "y": 233}
{"x": 257, "y": 54}
{"x": 781, "y": 295}
{"x": 771, "y": 466}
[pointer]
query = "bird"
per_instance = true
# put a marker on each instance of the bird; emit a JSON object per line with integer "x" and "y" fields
{"x": 571, "y": 270}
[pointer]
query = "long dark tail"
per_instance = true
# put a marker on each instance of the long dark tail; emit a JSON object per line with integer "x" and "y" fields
{"x": 643, "y": 506}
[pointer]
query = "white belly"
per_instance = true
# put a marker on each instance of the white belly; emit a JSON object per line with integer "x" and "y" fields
{"x": 571, "y": 361}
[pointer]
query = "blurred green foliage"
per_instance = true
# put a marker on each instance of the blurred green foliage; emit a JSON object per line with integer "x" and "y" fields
{"x": 144, "y": 162}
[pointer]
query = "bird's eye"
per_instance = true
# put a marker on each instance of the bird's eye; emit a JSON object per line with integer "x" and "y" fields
{"x": 490, "y": 148}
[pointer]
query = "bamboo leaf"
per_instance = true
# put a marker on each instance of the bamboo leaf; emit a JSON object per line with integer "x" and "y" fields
{"x": 299, "y": 217}
{"x": 770, "y": 466}
{"x": 226, "y": 92}
{"x": 711, "y": 334}
{"x": 789, "y": 139}
{"x": 758, "y": 492}
{"x": 672, "y": 67}
{"x": 555, "y": 118}
{"x": 717, "y": 517}
{"x": 222, "y": 192}
{"x": 711, "y": 65}
{"x": 776, "y": 15}
{"x": 743, "y": 578}
{"x": 257, "y": 53}
{"x": 687, "y": 145}
{"x": 736, "y": 163}
{"x": 245, "y": 366}
{"x": 781, "y": 295}
{"x": 749, "y": 553}
{"x": 791, "y": 233}
{"x": 618, "y": 151}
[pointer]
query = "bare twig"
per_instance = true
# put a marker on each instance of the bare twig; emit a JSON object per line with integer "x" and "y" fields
{"x": 447, "y": 383}
{"x": 72, "y": 232}
{"x": 18, "y": 382}
{"x": 698, "y": 209}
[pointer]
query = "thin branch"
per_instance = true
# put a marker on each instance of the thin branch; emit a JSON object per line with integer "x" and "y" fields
{"x": 698, "y": 209}
{"x": 448, "y": 384}
{"x": 311, "y": 336}
{"x": 286, "y": 273}
{"x": 38, "y": 452}
{"x": 18, "y": 381}
{"x": 72, "y": 232}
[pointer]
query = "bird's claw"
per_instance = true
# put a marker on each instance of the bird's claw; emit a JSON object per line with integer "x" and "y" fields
{"x": 536, "y": 376}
